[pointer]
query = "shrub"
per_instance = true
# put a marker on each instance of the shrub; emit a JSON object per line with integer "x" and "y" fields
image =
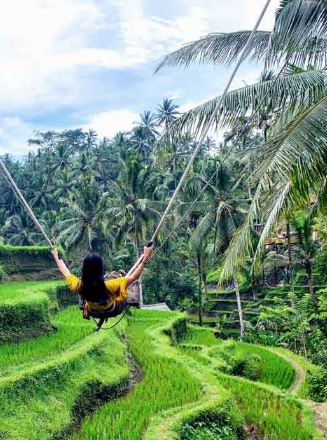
{"x": 27, "y": 262}
{"x": 317, "y": 385}
{"x": 247, "y": 366}
{"x": 212, "y": 425}
{"x": 242, "y": 278}
{"x": 25, "y": 309}
{"x": 28, "y": 318}
{"x": 2, "y": 272}
{"x": 319, "y": 265}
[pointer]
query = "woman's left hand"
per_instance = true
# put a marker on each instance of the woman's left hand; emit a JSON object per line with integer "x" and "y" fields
{"x": 55, "y": 254}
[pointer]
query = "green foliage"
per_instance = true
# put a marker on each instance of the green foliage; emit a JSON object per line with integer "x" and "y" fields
{"x": 212, "y": 426}
{"x": 276, "y": 416}
{"x": 243, "y": 279}
{"x": 27, "y": 251}
{"x": 253, "y": 362}
{"x": 70, "y": 328}
{"x": 317, "y": 385}
{"x": 200, "y": 336}
{"x": 248, "y": 367}
{"x": 28, "y": 262}
{"x": 163, "y": 282}
{"x": 319, "y": 266}
{"x": 2, "y": 272}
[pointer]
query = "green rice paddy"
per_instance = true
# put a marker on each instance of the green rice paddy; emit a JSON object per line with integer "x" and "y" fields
{"x": 49, "y": 384}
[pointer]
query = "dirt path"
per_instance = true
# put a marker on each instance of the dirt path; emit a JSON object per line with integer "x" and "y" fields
{"x": 319, "y": 410}
{"x": 300, "y": 373}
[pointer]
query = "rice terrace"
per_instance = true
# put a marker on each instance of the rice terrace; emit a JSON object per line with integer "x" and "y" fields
{"x": 163, "y": 275}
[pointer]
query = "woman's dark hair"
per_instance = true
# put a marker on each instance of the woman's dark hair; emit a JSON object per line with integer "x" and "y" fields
{"x": 93, "y": 287}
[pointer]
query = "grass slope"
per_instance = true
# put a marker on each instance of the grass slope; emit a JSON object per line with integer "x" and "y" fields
{"x": 50, "y": 383}
{"x": 25, "y": 309}
{"x": 173, "y": 393}
{"x": 71, "y": 328}
{"x": 276, "y": 415}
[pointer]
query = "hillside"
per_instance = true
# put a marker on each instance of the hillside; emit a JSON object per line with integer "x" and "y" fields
{"x": 153, "y": 377}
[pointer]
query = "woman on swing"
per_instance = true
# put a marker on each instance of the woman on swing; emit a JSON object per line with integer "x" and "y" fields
{"x": 99, "y": 295}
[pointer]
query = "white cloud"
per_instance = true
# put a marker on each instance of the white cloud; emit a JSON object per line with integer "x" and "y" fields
{"x": 107, "y": 124}
{"x": 54, "y": 54}
{"x": 14, "y": 133}
{"x": 47, "y": 45}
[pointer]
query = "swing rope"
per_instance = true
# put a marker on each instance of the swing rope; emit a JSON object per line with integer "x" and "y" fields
{"x": 17, "y": 191}
{"x": 221, "y": 163}
{"x": 99, "y": 327}
{"x": 205, "y": 132}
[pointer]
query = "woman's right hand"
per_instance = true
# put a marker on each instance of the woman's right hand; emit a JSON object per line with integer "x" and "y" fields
{"x": 147, "y": 253}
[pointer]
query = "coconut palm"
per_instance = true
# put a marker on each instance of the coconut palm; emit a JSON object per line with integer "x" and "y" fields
{"x": 130, "y": 204}
{"x": 79, "y": 225}
{"x": 149, "y": 125}
{"x": 166, "y": 113}
{"x": 19, "y": 230}
{"x": 292, "y": 164}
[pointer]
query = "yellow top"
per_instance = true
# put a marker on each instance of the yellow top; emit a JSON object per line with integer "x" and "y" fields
{"x": 117, "y": 290}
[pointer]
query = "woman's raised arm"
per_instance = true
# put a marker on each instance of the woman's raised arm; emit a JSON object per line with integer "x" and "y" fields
{"x": 138, "y": 271}
{"x": 61, "y": 265}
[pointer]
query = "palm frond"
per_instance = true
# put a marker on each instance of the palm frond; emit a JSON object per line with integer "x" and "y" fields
{"x": 217, "y": 48}
{"x": 275, "y": 93}
{"x": 241, "y": 244}
{"x": 301, "y": 147}
{"x": 270, "y": 223}
{"x": 300, "y": 33}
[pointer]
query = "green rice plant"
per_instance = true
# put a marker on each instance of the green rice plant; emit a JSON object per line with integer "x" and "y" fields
{"x": 70, "y": 328}
{"x": 24, "y": 310}
{"x": 200, "y": 336}
{"x": 194, "y": 352}
{"x": 166, "y": 384}
{"x": 307, "y": 367}
{"x": 174, "y": 396}
{"x": 17, "y": 292}
{"x": 272, "y": 369}
{"x": 46, "y": 399}
{"x": 277, "y": 416}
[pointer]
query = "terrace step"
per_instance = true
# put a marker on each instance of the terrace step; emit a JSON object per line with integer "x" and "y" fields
{"x": 25, "y": 310}
{"x": 58, "y": 389}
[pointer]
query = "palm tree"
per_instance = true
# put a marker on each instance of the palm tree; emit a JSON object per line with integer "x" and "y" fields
{"x": 130, "y": 204}
{"x": 307, "y": 248}
{"x": 149, "y": 125}
{"x": 292, "y": 164}
{"x": 142, "y": 141}
{"x": 79, "y": 225}
{"x": 199, "y": 256}
{"x": 166, "y": 113}
{"x": 19, "y": 230}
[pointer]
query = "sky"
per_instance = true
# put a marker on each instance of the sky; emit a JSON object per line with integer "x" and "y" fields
{"x": 90, "y": 63}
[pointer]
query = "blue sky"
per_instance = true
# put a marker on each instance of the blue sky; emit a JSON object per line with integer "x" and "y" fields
{"x": 90, "y": 63}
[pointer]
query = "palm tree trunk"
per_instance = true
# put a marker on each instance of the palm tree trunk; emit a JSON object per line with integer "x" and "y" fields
{"x": 308, "y": 270}
{"x": 239, "y": 306}
{"x": 139, "y": 282}
{"x": 205, "y": 286}
{"x": 254, "y": 286}
{"x": 289, "y": 251}
{"x": 200, "y": 290}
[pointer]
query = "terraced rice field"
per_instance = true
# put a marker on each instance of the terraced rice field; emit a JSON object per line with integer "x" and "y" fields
{"x": 50, "y": 385}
